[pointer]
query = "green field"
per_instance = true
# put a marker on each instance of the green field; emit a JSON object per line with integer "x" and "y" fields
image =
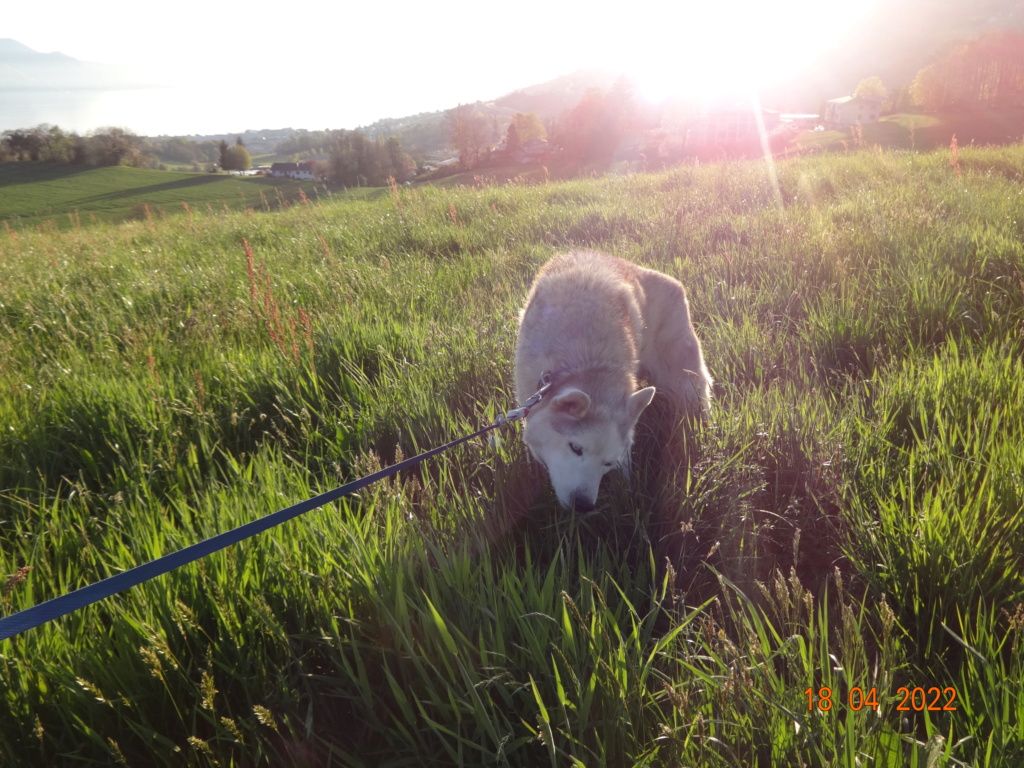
{"x": 67, "y": 196}
{"x": 923, "y": 132}
{"x": 844, "y": 537}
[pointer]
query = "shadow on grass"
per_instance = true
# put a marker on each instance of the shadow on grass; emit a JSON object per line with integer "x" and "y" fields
{"x": 31, "y": 173}
{"x": 154, "y": 189}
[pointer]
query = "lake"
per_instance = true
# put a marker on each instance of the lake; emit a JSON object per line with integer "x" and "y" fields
{"x": 175, "y": 111}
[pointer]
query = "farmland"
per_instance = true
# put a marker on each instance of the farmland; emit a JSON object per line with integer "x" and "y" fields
{"x": 65, "y": 196}
{"x": 830, "y": 574}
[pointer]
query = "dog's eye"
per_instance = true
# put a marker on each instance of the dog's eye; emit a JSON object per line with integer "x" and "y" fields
{"x": 609, "y": 464}
{"x": 576, "y": 449}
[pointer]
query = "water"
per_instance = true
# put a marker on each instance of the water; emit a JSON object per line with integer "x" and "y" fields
{"x": 201, "y": 109}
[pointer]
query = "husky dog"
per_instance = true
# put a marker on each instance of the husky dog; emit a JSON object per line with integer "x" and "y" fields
{"x": 592, "y": 324}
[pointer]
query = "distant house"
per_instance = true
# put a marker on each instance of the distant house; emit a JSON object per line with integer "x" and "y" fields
{"x": 844, "y": 112}
{"x": 305, "y": 170}
{"x": 532, "y": 151}
{"x": 736, "y": 127}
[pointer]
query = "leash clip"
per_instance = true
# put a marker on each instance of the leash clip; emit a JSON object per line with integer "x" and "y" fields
{"x": 523, "y": 411}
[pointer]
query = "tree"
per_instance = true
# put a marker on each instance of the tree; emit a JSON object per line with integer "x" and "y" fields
{"x": 528, "y": 126}
{"x": 398, "y": 163}
{"x": 870, "y": 86}
{"x": 355, "y": 161}
{"x": 593, "y": 129}
{"x": 236, "y": 158}
{"x": 23, "y": 144}
{"x": 467, "y": 133}
{"x": 899, "y": 100}
{"x": 59, "y": 144}
{"x": 928, "y": 90}
{"x": 512, "y": 142}
{"x": 114, "y": 146}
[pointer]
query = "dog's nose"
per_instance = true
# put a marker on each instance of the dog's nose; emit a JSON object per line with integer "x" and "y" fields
{"x": 581, "y": 502}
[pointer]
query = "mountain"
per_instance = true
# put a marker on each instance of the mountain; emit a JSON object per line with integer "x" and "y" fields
{"x": 548, "y": 100}
{"x": 424, "y": 133}
{"x": 22, "y": 68}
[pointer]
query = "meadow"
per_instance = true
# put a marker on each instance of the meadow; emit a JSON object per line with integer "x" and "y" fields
{"x": 831, "y": 573}
{"x": 57, "y": 196}
{"x": 925, "y": 132}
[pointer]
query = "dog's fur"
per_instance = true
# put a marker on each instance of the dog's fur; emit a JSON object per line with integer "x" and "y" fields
{"x": 593, "y": 323}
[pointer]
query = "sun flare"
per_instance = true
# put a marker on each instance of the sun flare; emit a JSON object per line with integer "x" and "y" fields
{"x": 731, "y": 49}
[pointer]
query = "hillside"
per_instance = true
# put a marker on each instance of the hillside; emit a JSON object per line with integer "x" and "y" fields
{"x": 32, "y": 194}
{"x": 826, "y": 574}
{"x": 894, "y": 41}
{"x": 424, "y": 133}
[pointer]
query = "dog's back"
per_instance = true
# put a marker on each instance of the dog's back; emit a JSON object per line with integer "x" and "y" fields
{"x": 585, "y": 309}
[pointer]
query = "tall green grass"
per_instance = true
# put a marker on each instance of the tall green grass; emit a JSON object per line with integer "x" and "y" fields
{"x": 849, "y": 521}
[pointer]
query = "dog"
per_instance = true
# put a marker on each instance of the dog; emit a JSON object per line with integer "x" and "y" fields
{"x": 591, "y": 325}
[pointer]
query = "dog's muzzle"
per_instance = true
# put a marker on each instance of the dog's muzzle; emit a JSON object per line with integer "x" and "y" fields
{"x": 580, "y": 502}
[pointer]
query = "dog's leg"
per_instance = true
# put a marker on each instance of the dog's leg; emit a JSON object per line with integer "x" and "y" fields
{"x": 671, "y": 354}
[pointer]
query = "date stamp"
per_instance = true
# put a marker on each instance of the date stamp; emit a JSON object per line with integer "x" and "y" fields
{"x": 907, "y": 699}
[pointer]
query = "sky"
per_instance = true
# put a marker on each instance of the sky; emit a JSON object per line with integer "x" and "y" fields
{"x": 349, "y": 63}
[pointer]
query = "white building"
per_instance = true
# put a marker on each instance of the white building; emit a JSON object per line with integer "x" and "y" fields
{"x": 305, "y": 170}
{"x": 844, "y": 112}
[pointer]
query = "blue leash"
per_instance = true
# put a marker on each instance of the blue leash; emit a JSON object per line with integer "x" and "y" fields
{"x": 32, "y": 617}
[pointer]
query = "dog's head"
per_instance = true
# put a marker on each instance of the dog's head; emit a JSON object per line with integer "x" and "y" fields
{"x": 579, "y": 441}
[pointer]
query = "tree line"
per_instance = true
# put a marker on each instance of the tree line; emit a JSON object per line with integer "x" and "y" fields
{"x": 985, "y": 72}
{"x": 303, "y": 141}
{"x": 596, "y": 130}
{"x": 475, "y": 135}
{"x": 118, "y": 146}
{"x": 49, "y": 143}
{"x": 355, "y": 160}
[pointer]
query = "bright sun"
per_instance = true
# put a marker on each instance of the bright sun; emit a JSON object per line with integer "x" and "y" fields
{"x": 731, "y": 48}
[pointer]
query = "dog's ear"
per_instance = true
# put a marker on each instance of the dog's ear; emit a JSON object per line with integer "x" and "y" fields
{"x": 638, "y": 401}
{"x": 572, "y": 402}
